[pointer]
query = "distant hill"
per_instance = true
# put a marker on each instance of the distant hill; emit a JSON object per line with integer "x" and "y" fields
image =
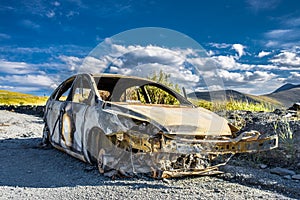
{"x": 221, "y": 95}
{"x": 286, "y": 87}
{"x": 283, "y": 97}
{"x": 17, "y": 98}
{"x": 287, "y": 94}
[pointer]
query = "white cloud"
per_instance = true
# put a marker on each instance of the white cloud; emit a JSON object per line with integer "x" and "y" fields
{"x": 257, "y": 82}
{"x": 185, "y": 68}
{"x": 239, "y": 49}
{"x": 210, "y": 53}
{"x": 279, "y": 33}
{"x": 50, "y": 14}
{"x": 284, "y": 38}
{"x": 73, "y": 63}
{"x": 231, "y": 77}
{"x": 263, "y": 54}
{"x": 43, "y": 81}
{"x": 220, "y": 45}
{"x": 94, "y": 65}
{"x": 227, "y": 62}
{"x": 144, "y": 61}
{"x": 286, "y": 59}
{"x": 266, "y": 67}
{"x": 6, "y": 87}
{"x": 294, "y": 78}
{"x": 230, "y": 63}
{"x": 258, "y": 5}
{"x": 251, "y": 78}
{"x": 24, "y": 89}
{"x": 8, "y": 67}
{"x": 272, "y": 43}
{"x": 56, "y": 3}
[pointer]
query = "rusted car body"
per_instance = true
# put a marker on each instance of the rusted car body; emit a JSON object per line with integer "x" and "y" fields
{"x": 131, "y": 125}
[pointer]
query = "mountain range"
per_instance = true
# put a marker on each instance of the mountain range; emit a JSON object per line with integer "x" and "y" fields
{"x": 284, "y": 96}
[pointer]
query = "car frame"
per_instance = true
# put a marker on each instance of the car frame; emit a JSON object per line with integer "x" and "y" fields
{"x": 119, "y": 123}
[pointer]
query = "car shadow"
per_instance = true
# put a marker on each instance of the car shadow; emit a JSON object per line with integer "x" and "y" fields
{"x": 24, "y": 164}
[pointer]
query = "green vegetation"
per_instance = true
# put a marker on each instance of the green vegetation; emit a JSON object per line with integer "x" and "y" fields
{"x": 164, "y": 79}
{"x": 264, "y": 104}
{"x": 286, "y": 137}
{"x": 16, "y": 98}
{"x": 159, "y": 96}
{"x": 235, "y": 105}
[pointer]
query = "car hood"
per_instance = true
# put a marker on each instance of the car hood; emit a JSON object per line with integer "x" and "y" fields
{"x": 183, "y": 120}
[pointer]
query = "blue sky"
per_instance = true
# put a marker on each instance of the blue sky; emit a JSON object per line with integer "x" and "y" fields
{"x": 256, "y": 43}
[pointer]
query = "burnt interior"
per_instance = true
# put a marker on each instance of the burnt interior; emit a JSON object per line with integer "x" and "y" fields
{"x": 116, "y": 86}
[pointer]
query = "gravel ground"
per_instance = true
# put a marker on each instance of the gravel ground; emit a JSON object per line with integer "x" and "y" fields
{"x": 29, "y": 172}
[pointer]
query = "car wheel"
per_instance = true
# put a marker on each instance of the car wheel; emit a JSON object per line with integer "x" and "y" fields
{"x": 97, "y": 140}
{"x": 46, "y": 136}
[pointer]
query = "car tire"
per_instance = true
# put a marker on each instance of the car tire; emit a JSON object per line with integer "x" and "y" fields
{"x": 97, "y": 140}
{"x": 46, "y": 136}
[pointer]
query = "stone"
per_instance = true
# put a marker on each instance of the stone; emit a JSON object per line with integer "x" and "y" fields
{"x": 282, "y": 171}
{"x": 287, "y": 177}
{"x": 263, "y": 166}
{"x": 295, "y": 107}
{"x": 296, "y": 177}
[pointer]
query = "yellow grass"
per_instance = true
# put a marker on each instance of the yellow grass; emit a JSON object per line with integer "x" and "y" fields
{"x": 235, "y": 105}
{"x": 16, "y": 98}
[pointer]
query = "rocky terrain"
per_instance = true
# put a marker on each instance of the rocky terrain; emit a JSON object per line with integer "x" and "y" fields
{"x": 30, "y": 172}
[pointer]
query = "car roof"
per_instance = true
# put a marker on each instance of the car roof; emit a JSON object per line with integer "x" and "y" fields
{"x": 106, "y": 75}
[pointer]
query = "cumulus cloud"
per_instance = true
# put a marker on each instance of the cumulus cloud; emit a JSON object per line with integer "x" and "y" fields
{"x": 227, "y": 62}
{"x": 8, "y": 67}
{"x": 28, "y": 80}
{"x": 144, "y": 61}
{"x": 28, "y": 77}
{"x": 248, "y": 77}
{"x": 230, "y": 63}
{"x": 73, "y": 63}
{"x": 182, "y": 64}
{"x": 95, "y": 65}
{"x": 263, "y": 54}
{"x": 239, "y": 49}
{"x": 294, "y": 77}
{"x": 287, "y": 59}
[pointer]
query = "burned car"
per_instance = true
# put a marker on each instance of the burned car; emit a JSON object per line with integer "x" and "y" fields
{"x": 129, "y": 125}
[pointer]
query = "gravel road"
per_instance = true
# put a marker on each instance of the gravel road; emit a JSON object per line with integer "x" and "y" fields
{"x": 29, "y": 172}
